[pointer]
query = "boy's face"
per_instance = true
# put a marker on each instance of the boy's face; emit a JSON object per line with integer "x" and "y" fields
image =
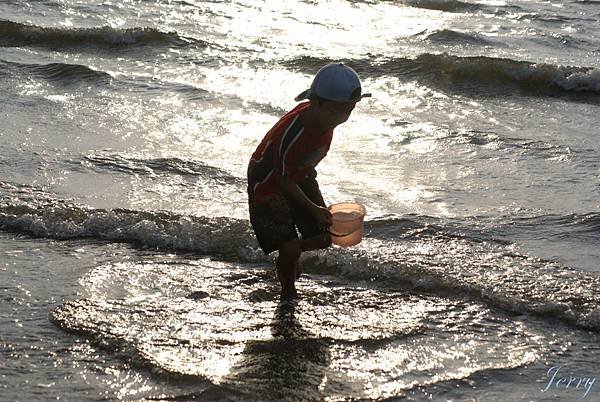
{"x": 335, "y": 113}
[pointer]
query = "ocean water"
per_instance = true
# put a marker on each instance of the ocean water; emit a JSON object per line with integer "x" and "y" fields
{"x": 128, "y": 269}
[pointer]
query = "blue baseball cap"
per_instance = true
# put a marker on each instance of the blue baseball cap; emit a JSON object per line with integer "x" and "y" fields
{"x": 335, "y": 82}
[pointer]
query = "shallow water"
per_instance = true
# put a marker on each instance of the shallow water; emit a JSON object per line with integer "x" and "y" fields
{"x": 129, "y": 270}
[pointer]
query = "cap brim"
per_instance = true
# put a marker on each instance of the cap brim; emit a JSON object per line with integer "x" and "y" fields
{"x": 367, "y": 95}
{"x": 303, "y": 95}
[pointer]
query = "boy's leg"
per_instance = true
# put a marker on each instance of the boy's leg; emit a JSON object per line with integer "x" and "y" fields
{"x": 274, "y": 223}
{"x": 274, "y": 227}
{"x": 289, "y": 253}
{"x": 287, "y": 262}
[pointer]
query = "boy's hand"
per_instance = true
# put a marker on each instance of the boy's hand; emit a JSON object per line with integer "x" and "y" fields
{"x": 322, "y": 215}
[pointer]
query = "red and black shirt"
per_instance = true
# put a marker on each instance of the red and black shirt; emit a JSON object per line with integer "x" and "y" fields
{"x": 288, "y": 149}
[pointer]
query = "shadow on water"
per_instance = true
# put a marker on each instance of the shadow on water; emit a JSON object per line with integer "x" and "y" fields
{"x": 290, "y": 366}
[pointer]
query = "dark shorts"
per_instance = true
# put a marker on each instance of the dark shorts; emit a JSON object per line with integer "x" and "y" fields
{"x": 275, "y": 221}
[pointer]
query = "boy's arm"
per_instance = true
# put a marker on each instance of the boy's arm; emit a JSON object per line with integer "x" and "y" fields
{"x": 291, "y": 189}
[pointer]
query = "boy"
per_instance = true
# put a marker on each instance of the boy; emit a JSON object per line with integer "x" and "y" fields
{"x": 283, "y": 193}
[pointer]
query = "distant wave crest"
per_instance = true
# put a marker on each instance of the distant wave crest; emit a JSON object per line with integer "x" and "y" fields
{"x": 535, "y": 76}
{"x": 104, "y": 161}
{"x": 489, "y": 73}
{"x": 67, "y": 74}
{"x": 448, "y": 36}
{"x": 63, "y": 73}
{"x": 444, "y": 5}
{"x": 19, "y": 34}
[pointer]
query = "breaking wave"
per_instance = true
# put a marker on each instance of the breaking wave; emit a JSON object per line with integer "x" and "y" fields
{"x": 420, "y": 252}
{"x": 35, "y": 213}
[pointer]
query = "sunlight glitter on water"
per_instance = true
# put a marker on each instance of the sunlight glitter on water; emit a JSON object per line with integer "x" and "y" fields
{"x": 334, "y": 29}
{"x": 223, "y": 323}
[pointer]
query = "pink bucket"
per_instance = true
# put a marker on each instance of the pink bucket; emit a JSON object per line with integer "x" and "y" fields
{"x": 347, "y": 223}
